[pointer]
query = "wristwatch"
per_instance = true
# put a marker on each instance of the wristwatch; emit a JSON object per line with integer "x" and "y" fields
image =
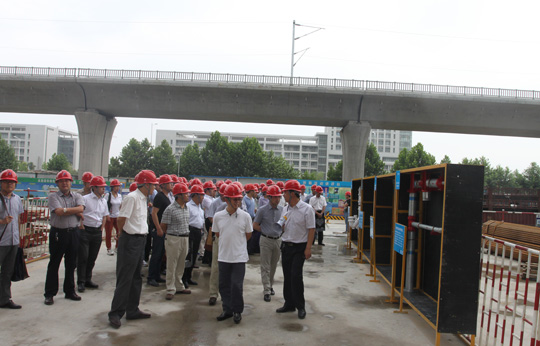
{"x": 65, "y": 210}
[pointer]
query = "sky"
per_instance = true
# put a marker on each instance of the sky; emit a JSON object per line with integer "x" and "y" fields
{"x": 472, "y": 43}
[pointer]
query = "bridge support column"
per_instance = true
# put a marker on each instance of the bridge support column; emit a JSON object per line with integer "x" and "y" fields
{"x": 95, "y": 135}
{"x": 354, "y": 142}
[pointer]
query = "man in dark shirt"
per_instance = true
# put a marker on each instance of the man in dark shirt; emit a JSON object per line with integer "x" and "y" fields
{"x": 161, "y": 202}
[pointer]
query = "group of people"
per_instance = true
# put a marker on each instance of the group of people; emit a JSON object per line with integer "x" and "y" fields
{"x": 181, "y": 220}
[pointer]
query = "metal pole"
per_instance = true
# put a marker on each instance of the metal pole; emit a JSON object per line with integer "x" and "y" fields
{"x": 411, "y": 242}
{"x": 292, "y": 52}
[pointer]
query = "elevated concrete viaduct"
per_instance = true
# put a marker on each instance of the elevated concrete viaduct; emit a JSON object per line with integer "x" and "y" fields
{"x": 96, "y": 99}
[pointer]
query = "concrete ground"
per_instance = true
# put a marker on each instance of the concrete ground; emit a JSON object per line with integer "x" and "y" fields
{"x": 343, "y": 308}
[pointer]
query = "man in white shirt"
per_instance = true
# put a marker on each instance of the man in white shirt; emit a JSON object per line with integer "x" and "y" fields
{"x": 318, "y": 202}
{"x": 90, "y": 236}
{"x": 133, "y": 225}
{"x": 218, "y": 205}
{"x": 196, "y": 224}
{"x": 233, "y": 228}
{"x": 298, "y": 220}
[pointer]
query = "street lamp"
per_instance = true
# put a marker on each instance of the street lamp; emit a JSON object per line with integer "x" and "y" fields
{"x": 152, "y": 133}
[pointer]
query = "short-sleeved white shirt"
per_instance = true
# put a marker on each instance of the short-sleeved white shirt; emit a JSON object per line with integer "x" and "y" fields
{"x": 232, "y": 231}
{"x": 135, "y": 210}
{"x": 206, "y": 204}
{"x": 300, "y": 219}
{"x": 115, "y": 204}
{"x": 95, "y": 210}
{"x": 317, "y": 202}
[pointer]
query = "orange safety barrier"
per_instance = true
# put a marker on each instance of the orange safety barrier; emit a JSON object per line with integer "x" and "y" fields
{"x": 34, "y": 228}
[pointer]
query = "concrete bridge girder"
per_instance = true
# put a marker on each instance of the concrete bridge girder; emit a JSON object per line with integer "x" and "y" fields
{"x": 354, "y": 141}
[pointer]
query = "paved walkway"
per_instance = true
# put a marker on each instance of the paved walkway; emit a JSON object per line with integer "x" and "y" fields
{"x": 343, "y": 308}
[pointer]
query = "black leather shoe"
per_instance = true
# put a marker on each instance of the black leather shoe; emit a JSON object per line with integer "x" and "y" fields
{"x": 73, "y": 296}
{"x": 90, "y": 284}
{"x": 114, "y": 321}
{"x": 185, "y": 284}
{"x": 322, "y": 244}
{"x": 49, "y": 300}
{"x": 212, "y": 301}
{"x": 237, "y": 317}
{"x": 285, "y": 309}
{"x": 191, "y": 282}
{"x": 10, "y": 305}
{"x": 272, "y": 292}
{"x": 138, "y": 315}
{"x": 160, "y": 280}
{"x": 80, "y": 287}
{"x": 301, "y": 314}
{"x": 224, "y": 316}
{"x": 152, "y": 282}
{"x": 267, "y": 298}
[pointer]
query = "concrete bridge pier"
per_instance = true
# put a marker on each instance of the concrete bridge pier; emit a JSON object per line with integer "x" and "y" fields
{"x": 354, "y": 142}
{"x": 95, "y": 135}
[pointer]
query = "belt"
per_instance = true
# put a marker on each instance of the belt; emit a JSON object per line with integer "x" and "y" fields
{"x": 134, "y": 235}
{"x": 98, "y": 228}
{"x": 264, "y": 235}
{"x": 191, "y": 228}
{"x": 64, "y": 229}
{"x": 178, "y": 235}
{"x": 288, "y": 243}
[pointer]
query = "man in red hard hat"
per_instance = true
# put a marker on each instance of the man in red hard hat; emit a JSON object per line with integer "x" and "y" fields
{"x": 266, "y": 222}
{"x": 86, "y": 179}
{"x": 66, "y": 208}
{"x": 91, "y": 235}
{"x": 196, "y": 224}
{"x": 114, "y": 200}
{"x": 10, "y": 209}
{"x": 161, "y": 201}
{"x": 233, "y": 228}
{"x": 318, "y": 202}
{"x": 298, "y": 220}
{"x": 209, "y": 195}
{"x": 132, "y": 221}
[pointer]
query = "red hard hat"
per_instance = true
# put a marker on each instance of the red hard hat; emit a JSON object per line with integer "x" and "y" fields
{"x": 222, "y": 189}
{"x": 8, "y": 174}
{"x": 209, "y": 185}
{"x": 261, "y": 185}
{"x": 348, "y": 193}
{"x": 146, "y": 177}
{"x": 63, "y": 175}
{"x": 239, "y": 184}
{"x": 87, "y": 177}
{"x": 195, "y": 181}
{"x": 249, "y": 187}
{"x": 180, "y": 188}
{"x": 269, "y": 182}
{"x": 255, "y": 187}
{"x": 98, "y": 181}
{"x": 274, "y": 191}
{"x": 174, "y": 178}
{"x": 303, "y": 187}
{"x": 115, "y": 182}
{"x": 280, "y": 184}
{"x": 265, "y": 189}
{"x": 228, "y": 181}
{"x": 319, "y": 189}
{"x": 219, "y": 183}
{"x": 132, "y": 187}
{"x": 313, "y": 187}
{"x": 293, "y": 185}
{"x": 197, "y": 189}
{"x": 165, "y": 179}
{"x": 233, "y": 191}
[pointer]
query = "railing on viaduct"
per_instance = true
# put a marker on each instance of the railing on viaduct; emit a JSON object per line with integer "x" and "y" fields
{"x": 83, "y": 73}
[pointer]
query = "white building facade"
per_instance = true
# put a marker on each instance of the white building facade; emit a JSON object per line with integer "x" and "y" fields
{"x": 37, "y": 143}
{"x": 305, "y": 153}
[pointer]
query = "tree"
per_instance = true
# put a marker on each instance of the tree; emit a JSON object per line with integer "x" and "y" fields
{"x": 22, "y": 166}
{"x": 530, "y": 178}
{"x": 248, "y": 158}
{"x": 335, "y": 173}
{"x": 162, "y": 160}
{"x": 446, "y": 159}
{"x": 482, "y": 161}
{"x": 502, "y": 177}
{"x": 57, "y": 163}
{"x": 416, "y": 157}
{"x": 8, "y": 160}
{"x": 190, "y": 161}
{"x": 312, "y": 175}
{"x": 373, "y": 164}
{"x": 133, "y": 158}
{"x": 216, "y": 156}
{"x": 277, "y": 167}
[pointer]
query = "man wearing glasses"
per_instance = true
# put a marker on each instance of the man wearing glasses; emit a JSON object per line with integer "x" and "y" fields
{"x": 298, "y": 220}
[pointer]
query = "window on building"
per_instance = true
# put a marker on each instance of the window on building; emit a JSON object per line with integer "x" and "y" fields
{"x": 331, "y": 140}
{"x": 393, "y": 150}
{"x": 338, "y": 146}
{"x": 381, "y": 141}
{"x": 387, "y": 150}
{"x": 388, "y": 135}
{"x": 387, "y": 142}
{"x": 295, "y": 155}
{"x": 380, "y": 149}
{"x": 331, "y": 147}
